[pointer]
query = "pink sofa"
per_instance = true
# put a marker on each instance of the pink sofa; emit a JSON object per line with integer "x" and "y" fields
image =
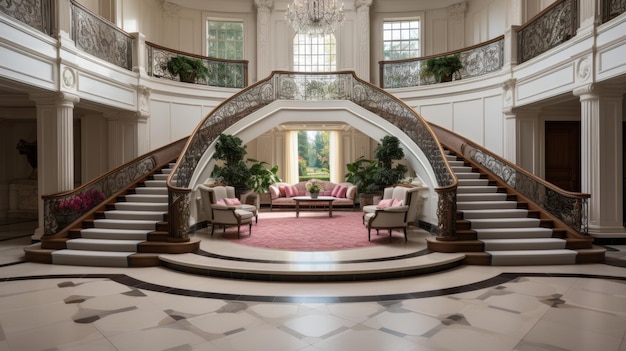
{"x": 279, "y": 194}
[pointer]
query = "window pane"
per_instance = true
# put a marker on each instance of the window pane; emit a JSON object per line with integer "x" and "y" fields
{"x": 225, "y": 39}
{"x": 401, "y": 39}
{"x": 314, "y": 53}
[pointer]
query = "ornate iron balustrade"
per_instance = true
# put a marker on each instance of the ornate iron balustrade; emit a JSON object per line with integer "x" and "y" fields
{"x": 35, "y": 13}
{"x": 553, "y": 26}
{"x": 570, "y": 208}
{"x": 100, "y": 38}
{"x": 302, "y": 86}
{"x": 477, "y": 60}
{"x": 222, "y": 73}
{"x": 612, "y": 9}
{"x": 108, "y": 185}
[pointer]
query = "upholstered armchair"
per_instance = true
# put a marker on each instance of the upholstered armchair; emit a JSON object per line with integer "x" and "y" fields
{"x": 410, "y": 196}
{"x": 227, "y": 216}
{"x": 393, "y": 217}
{"x": 211, "y": 195}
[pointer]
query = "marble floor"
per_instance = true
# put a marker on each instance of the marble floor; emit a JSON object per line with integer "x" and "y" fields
{"x": 52, "y": 307}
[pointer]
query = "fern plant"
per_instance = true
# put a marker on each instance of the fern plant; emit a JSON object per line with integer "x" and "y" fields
{"x": 187, "y": 68}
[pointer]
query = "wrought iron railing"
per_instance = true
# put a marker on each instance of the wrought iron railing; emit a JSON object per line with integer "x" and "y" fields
{"x": 477, "y": 60}
{"x": 612, "y": 9}
{"x": 35, "y": 13}
{"x": 303, "y": 86}
{"x": 222, "y": 73}
{"x": 570, "y": 208}
{"x": 100, "y": 38}
{"x": 553, "y": 26}
{"x": 61, "y": 209}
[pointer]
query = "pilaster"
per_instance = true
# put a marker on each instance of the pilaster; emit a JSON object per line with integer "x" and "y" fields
{"x": 601, "y": 159}
{"x": 264, "y": 57}
{"x": 456, "y": 14}
{"x": 55, "y": 145}
{"x": 363, "y": 37}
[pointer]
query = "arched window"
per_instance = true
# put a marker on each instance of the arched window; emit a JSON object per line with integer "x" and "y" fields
{"x": 314, "y": 53}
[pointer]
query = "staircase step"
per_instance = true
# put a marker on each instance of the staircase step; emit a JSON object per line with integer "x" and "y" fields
{"x": 155, "y": 183}
{"x": 524, "y": 244}
{"x": 512, "y": 233}
{"x": 115, "y": 234}
{"x": 160, "y": 176}
{"x": 505, "y": 223}
{"x": 146, "y": 198}
{"x": 473, "y": 182}
{"x": 481, "y": 197}
{"x": 125, "y": 224}
{"x": 476, "y": 189}
{"x": 456, "y": 163}
{"x": 532, "y": 257}
{"x": 91, "y": 258}
{"x": 141, "y": 206}
{"x": 132, "y": 215}
{"x": 461, "y": 169}
{"x": 103, "y": 245}
{"x": 468, "y": 175}
{"x": 494, "y": 213}
{"x": 485, "y": 205}
{"x": 151, "y": 190}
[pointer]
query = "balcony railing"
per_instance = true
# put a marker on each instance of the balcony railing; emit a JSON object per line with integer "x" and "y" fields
{"x": 101, "y": 38}
{"x": 222, "y": 73}
{"x": 477, "y": 60}
{"x": 35, "y": 13}
{"x": 612, "y": 9}
{"x": 551, "y": 27}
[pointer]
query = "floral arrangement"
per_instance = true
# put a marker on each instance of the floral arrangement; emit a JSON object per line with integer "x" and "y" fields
{"x": 314, "y": 186}
{"x": 81, "y": 202}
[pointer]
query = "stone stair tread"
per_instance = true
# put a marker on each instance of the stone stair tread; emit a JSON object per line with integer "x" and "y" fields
{"x": 523, "y": 244}
{"x": 479, "y": 189}
{"x": 504, "y": 223}
{"x": 125, "y": 224}
{"x": 117, "y": 234}
{"x": 151, "y": 190}
{"x": 510, "y": 233}
{"x": 468, "y": 175}
{"x": 91, "y": 258}
{"x": 113, "y": 245}
{"x": 494, "y": 213}
{"x": 141, "y": 206}
{"x": 466, "y": 205}
{"x": 135, "y": 215}
{"x": 532, "y": 257}
{"x": 481, "y": 197}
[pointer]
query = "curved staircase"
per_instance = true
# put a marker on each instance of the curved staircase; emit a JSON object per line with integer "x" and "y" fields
{"x": 494, "y": 228}
{"x": 132, "y": 231}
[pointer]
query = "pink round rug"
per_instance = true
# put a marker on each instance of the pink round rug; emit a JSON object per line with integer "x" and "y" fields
{"x": 312, "y": 231}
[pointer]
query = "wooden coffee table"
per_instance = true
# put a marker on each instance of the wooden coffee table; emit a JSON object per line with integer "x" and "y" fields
{"x": 319, "y": 199}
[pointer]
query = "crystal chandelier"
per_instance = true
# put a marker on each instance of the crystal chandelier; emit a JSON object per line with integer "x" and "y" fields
{"x": 314, "y": 16}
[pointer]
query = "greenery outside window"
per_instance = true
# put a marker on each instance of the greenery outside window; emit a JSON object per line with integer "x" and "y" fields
{"x": 225, "y": 39}
{"x": 314, "y": 53}
{"x": 401, "y": 39}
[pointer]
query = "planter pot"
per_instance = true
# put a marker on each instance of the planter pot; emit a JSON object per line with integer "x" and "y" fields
{"x": 314, "y": 195}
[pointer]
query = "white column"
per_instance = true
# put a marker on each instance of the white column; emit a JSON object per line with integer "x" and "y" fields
{"x": 601, "y": 159}
{"x": 362, "y": 34}
{"x": 263, "y": 54}
{"x": 456, "y": 14}
{"x": 94, "y": 146}
{"x": 55, "y": 145}
{"x": 522, "y": 139}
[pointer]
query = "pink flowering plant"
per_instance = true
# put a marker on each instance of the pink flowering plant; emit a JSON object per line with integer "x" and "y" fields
{"x": 80, "y": 203}
{"x": 314, "y": 186}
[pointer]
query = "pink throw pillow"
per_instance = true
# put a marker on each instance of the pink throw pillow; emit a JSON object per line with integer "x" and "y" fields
{"x": 335, "y": 191}
{"x": 291, "y": 191}
{"x": 220, "y": 202}
{"x": 232, "y": 202}
{"x": 385, "y": 203}
{"x": 281, "y": 190}
{"x": 397, "y": 202}
{"x": 342, "y": 191}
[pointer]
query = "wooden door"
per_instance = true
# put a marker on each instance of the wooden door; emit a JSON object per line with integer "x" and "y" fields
{"x": 562, "y": 155}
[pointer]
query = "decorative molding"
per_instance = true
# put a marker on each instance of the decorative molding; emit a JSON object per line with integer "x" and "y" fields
{"x": 68, "y": 78}
{"x": 362, "y": 3}
{"x": 583, "y": 69}
{"x": 457, "y": 11}
{"x": 170, "y": 8}
{"x": 264, "y": 4}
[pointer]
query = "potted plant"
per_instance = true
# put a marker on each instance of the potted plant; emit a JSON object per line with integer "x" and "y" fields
{"x": 234, "y": 171}
{"x": 361, "y": 173}
{"x": 187, "y": 68}
{"x": 442, "y": 68}
{"x": 386, "y": 153}
{"x": 261, "y": 177}
{"x": 314, "y": 187}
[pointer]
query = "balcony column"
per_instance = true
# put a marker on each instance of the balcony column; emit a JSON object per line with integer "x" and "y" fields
{"x": 127, "y": 137}
{"x": 601, "y": 159}
{"x": 362, "y": 35}
{"x": 264, "y": 55}
{"x": 55, "y": 145}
